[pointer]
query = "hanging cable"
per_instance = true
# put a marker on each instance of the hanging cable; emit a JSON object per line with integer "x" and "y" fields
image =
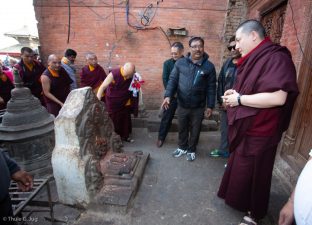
{"x": 69, "y": 15}
{"x": 114, "y": 19}
{"x": 292, "y": 18}
{"x": 149, "y": 14}
{"x": 140, "y": 27}
{"x": 296, "y": 32}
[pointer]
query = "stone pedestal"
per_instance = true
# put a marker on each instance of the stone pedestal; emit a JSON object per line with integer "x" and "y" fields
{"x": 27, "y": 131}
{"x": 88, "y": 162}
{"x": 33, "y": 154}
{"x": 122, "y": 175}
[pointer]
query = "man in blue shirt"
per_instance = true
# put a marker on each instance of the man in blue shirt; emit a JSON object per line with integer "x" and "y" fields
{"x": 68, "y": 64}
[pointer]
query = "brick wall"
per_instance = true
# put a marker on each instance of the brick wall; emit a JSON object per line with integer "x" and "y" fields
{"x": 297, "y": 16}
{"x": 236, "y": 13}
{"x": 100, "y": 27}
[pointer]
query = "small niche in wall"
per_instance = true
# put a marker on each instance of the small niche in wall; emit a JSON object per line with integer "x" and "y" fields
{"x": 177, "y": 32}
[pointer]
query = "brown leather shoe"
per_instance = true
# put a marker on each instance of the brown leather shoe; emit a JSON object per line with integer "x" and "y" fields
{"x": 159, "y": 143}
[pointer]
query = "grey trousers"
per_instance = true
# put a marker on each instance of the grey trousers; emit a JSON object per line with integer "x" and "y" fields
{"x": 224, "y": 143}
{"x": 189, "y": 123}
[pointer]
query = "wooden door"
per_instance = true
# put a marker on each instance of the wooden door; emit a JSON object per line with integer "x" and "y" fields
{"x": 273, "y": 21}
{"x": 305, "y": 142}
{"x": 298, "y": 139}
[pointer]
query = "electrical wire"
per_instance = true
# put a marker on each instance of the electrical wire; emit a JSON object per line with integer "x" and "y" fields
{"x": 296, "y": 32}
{"x": 102, "y": 1}
{"x": 114, "y": 19}
{"x": 92, "y": 10}
{"x": 141, "y": 27}
{"x": 69, "y": 17}
{"x": 293, "y": 20}
{"x": 147, "y": 14}
{"x": 108, "y": 4}
{"x": 137, "y": 27}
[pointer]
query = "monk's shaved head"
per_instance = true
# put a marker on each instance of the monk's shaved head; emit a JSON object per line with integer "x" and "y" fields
{"x": 129, "y": 69}
{"x": 52, "y": 57}
{"x": 54, "y": 62}
{"x": 90, "y": 55}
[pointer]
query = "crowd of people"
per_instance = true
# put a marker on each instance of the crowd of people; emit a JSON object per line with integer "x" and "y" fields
{"x": 255, "y": 91}
{"x": 52, "y": 85}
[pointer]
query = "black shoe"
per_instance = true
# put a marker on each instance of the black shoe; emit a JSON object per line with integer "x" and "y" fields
{"x": 159, "y": 143}
{"x": 128, "y": 140}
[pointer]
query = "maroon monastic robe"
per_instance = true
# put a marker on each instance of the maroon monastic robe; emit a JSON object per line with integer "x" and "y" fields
{"x": 59, "y": 87}
{"x": 117, "y": 97}
{"x": 5, "y": 89}
{"x": 255, "y": 133}
{"x": 31, "y": 78}
{"x": 93, "y": 78}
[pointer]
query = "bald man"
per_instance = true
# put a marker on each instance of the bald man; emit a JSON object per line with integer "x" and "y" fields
{"x": 55, "y": 84}
{"x": 92, "y": 75}
{"x": 119, "y": 100}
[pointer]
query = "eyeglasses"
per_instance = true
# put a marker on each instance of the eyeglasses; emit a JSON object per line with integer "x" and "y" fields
{"x": 231, "y": 47}
{"x": 197, "y": 46}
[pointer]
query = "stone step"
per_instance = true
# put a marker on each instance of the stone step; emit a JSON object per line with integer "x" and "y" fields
{"x": 151, "y": 121}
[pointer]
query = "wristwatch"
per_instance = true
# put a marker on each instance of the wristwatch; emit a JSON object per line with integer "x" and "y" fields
{"x": 239, "y": 99}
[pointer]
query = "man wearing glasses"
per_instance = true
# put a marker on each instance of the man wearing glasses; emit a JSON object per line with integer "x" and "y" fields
{"x": 225, "y": 82}
{"x": 193, "y": 78}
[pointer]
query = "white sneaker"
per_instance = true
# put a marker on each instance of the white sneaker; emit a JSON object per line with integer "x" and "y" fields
{"x": 178, "y": 152}
{"x": 190, "y": 156}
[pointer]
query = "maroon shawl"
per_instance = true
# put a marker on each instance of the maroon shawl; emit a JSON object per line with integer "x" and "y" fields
{"x": 31, "y": 78}
{"x": 5, "y": 89}
{"x": 268, "y": 68}
{"x": 117, "y": 93}
{"x": 60, "y": 86}
{"x": 92, "y": 78}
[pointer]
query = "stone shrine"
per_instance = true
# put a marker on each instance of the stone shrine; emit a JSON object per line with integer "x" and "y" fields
{"x": 89, "y": 164}
{"x": 27, "y": 131}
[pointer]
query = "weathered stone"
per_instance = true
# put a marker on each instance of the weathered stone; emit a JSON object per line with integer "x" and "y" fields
{"x": 27, "y": 132}
{"x": 87, "y": 159}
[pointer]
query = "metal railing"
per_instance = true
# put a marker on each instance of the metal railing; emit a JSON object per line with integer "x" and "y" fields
{"x": 20, "y": 200}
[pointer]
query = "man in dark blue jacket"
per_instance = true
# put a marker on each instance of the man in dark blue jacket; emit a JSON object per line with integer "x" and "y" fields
{"x": 193, "y": 78}
{"x": 10, "y": 170}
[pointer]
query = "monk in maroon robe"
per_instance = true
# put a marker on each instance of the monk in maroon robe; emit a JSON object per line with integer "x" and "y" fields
{"x": 92, "y": 75}
{"x": 30, "y": 71}
{"x": 5, "y": 89}
{"x": 259, "y": 111}
{"x": 119, "y": 101}
{"x": 55, "y": 84}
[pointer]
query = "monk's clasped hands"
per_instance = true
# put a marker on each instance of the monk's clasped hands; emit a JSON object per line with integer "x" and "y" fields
{"x": 230, "y": 98}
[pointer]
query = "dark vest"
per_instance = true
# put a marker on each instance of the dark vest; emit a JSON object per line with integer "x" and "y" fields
{"x": 5, "y": 90}
{"x": 31, "y": 79}
{"x": 60, "y": 86}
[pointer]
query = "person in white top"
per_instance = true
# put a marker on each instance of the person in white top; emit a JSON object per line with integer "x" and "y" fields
{"x": 299, "y": 205}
